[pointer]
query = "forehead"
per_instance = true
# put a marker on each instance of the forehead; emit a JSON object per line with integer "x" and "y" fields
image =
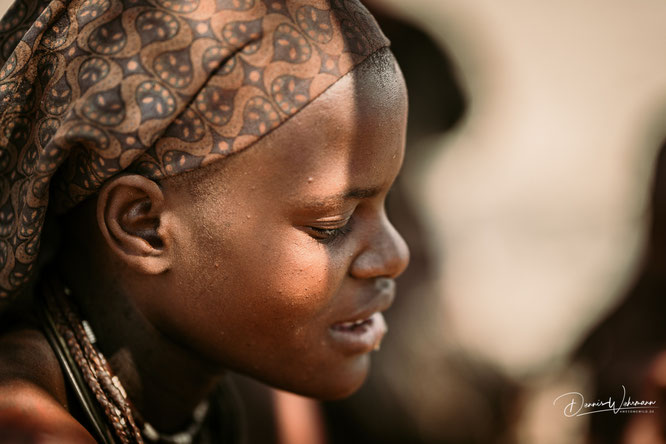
{"x": 351, "y": 136}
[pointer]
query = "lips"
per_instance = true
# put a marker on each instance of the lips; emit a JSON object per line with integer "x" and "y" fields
{"x": 362, "y": 332}
{"x": 352, "y": 325}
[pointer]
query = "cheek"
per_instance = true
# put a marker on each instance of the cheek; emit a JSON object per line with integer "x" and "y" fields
{"x": 293, "y": 276}
{"x": 281, "y": 284}
{"x": 304, "y": 276}
{"x": 263, "y": 304}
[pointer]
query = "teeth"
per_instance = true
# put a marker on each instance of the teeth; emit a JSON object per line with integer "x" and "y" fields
{"x": 352, "y": 324}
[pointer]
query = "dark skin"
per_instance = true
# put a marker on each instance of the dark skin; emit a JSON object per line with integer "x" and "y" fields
{"x": 246, "y": 264}
{"x": 33, "y": 400}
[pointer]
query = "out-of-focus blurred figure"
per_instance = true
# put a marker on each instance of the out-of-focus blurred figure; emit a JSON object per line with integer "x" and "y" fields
{"x": 629, "y": 347}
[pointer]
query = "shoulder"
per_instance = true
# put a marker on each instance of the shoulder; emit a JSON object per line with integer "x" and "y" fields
{"x": 33, "y": 396}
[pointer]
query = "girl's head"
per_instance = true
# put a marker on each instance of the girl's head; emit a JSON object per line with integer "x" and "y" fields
{"x": 257, "y": 262}
{"x": 240, "y": 153}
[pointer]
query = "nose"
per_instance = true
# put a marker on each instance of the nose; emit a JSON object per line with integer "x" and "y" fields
{"x": 385, "y": 254}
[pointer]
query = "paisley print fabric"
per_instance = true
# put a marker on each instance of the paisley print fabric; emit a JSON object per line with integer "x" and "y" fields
{"x": 92, "y": 88}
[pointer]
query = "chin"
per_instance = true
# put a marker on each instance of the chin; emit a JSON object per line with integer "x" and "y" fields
{"x": 335, "y": 385}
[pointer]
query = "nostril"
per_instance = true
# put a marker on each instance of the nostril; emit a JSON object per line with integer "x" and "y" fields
{"x": 384, "y": 284}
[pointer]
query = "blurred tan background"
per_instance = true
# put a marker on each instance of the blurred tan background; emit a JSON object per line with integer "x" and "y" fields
{"x": 538, "y": 199}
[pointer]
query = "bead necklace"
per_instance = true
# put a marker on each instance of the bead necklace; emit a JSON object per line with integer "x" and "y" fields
{"x": 74, "y": 341}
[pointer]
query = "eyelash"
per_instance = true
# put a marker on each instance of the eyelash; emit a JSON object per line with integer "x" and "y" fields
{"x": 328, "y": 235}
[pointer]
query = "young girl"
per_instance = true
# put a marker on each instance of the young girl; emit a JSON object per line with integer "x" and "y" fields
{"x": 216, "y": 171}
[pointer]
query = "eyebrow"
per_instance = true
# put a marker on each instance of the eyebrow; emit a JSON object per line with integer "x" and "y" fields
{"x": 352, "y": 194}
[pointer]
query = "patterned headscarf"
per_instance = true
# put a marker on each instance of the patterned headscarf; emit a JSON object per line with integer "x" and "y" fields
{"x": 92, "y": 88}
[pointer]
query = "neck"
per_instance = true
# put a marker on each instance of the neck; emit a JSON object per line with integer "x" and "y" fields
{"x": 164, "y": 381}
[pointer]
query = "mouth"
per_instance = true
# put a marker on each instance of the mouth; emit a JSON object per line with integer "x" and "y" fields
{"x": 360, "y": 336}
{"x": 357, "y": 326}
{"x": 363, "y": 333}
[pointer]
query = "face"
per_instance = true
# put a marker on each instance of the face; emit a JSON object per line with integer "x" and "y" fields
{"x": 285, "y": 260}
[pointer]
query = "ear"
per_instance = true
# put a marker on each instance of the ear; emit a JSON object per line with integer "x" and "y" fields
{"x": 130, "y": 214}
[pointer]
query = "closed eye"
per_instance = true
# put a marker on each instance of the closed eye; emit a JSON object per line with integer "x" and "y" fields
{"x": 328, "y": 235}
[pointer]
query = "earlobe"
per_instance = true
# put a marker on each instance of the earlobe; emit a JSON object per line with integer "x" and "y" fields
{"x": 130, "y": 214}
